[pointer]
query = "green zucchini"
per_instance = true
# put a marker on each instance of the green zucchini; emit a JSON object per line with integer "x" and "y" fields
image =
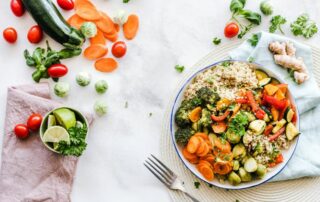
{"x": 45, "y": 13}
{"x": 288, "y": 114}
{"x": 279, "y": 125}
{"x": 274, "y": 81}
{"x": 291, "y": 131}
{"x": 264, "y": 82}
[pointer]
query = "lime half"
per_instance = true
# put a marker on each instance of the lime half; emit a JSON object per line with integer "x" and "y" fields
{"x": 65, "y": 117}
{"x": 51, "y": 121}
{"x": 56, "y": 134}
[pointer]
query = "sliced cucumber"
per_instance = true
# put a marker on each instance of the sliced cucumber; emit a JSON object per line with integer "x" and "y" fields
{"x": 264, "y": 82}
{"x": 279, "y": 125}
{"x": 251, "y": 165}
{"x": 291, "y": 131}
{"x": 288, "y": 114}
{"x": 261, "y": 74}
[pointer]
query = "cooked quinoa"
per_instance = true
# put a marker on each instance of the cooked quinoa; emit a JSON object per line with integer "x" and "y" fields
{"x": 225, "y": 80}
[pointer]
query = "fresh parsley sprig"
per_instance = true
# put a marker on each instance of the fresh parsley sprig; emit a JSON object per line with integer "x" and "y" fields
{"x": 303, "y": 26}
{"x": 276, "y": 23}
{"x": 179, "y": 68}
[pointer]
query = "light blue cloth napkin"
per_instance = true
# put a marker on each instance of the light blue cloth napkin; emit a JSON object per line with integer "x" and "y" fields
{"x": 306, "y": 159}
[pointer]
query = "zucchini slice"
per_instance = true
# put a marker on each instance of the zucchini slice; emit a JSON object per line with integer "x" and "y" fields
{"x": 291, "y": 131}
{"x": 279, "y": 125}
{"x": 261, "y": 74}
{"x": 274, "y": 81}
{"x": 264, "y": 82}
{"x": 288, "y": 114}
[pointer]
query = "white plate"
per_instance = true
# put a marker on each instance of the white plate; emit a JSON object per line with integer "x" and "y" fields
{"x": 287, "y": 154}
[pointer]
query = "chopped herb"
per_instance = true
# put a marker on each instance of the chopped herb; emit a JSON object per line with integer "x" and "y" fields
{"x": 126, "y": 104}
{"x": 226, "y": 63}
{"x": 245, "y": 30}
{"x": 150, "y": 114}
{"x": 276, "y": 23}
{"x": 216, "y": 41}
{"x": 238, "y": 124}
{"x": 197, "y": 185}
{"x": 179, "y": 68}
{"x": 210, "y": 185}
{"x": 303, "y": 26}
{"x": 254, "y": 40}
{"x": 251, "y": 59}
{"x": 125, "y": 1}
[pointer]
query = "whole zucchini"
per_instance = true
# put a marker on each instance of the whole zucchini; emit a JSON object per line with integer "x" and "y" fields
{"x": 45, "y": 13}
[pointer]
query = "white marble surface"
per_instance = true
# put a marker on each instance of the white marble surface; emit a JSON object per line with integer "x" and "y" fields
{"x": 172, "y": 32}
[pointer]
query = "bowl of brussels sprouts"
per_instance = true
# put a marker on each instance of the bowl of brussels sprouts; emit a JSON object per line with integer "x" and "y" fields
{"x": 234, "y": 131}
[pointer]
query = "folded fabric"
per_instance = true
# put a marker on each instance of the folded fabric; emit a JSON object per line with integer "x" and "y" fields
{"x": 305, "y": 161}
{"x": 29, "y": 171}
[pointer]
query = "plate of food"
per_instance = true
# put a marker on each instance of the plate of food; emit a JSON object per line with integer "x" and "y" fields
{"x": 64, "y": 130}
{"x": 234, "y": 124}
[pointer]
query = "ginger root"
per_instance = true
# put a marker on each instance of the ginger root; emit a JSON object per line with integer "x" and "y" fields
{"x": 285, "y": 56}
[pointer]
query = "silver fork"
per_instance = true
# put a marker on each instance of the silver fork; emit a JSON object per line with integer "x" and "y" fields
{"x": 166, "y": 176}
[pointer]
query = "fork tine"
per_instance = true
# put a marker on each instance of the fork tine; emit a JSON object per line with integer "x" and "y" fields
{"x": 169, "y": 175}
{"x": 170, "y": 171}
{"x": 155, "y": 174}
{"x": 160, "y": 173}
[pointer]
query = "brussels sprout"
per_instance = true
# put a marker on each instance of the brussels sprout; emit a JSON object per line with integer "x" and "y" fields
{"x": 100, "y": 107}
{"x": 121, "y": 17}
{"x": 261, "y": 171}
{"x": 83, "y": 78}
{"x": 250, "y": 116}
{"x": 266, "y": 8}
{"x": 212, "y": 138}
{"x": 239, "y": 151}
{"x": 244, "y": 175}
{"x": 61, "y": 89}
{"x": 257, "y": 126}
{"x": 233, "y": 137}
{"x": 250, "y": 165}
{"x": 236, "y": 165}
{"x": 258, "y": 149}
{"x": 88, "y": 29}
{"x": 101, "y": 86}
{"x": 234, "y": 179}
{"x": 247, "y": 138}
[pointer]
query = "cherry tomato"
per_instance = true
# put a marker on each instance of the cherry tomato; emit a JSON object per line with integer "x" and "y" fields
{"x": 35, "y": 34}
{"x": 34, "y": 122}
{"x": 10, "y": 35}
{"x": 57, "y": 70}
{"x": 17, "y": 7}
{"x": 66, "y": 4}
{"x": 231, "y": 30}
{"x": 21, "y": 131}
{"x": 119, "y": 49}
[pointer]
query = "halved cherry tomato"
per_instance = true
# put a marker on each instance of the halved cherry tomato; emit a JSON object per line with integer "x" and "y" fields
{"x": 17, "y": 7}
{"x": 119, "y": 49}
{"x": 66, "y": 4}
{"x": 231, "y": 30}
{"x": 57, "y": 70}
{"x": 35, "y": 34}
{"x": 10, "y": 35}
{"x": 34, "y": 122}
{"x": 21, "y": 131}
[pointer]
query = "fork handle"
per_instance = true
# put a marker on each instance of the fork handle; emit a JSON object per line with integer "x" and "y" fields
{"x": 191, "y": 197}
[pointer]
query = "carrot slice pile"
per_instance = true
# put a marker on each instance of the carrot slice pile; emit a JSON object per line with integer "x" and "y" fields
{"x": 76, "y": 21}
{"x": 98, "y": 38}
{"x": 105, "y": 24}
{"x": 106, "y": 65}
{"x": 86, "y": 10}
{"x": 111, "y": 37}
{"x": 130, "y": 28}
{"x": 95, "y": 51}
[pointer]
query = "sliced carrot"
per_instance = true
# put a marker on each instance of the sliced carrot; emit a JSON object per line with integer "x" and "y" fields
{"x": 193, "y": 144}
{"x": 95, "y": 51}
{"x": 274, "y": 113}
{"x": 111, "y": 37}
{"x": 219, "y": 127}
{"x": 222, "y": 168}
{"x": 76, "y": 21}
{"x": 205, "y": 151}
{"x": 106, "y": 65}
{"x": 222, "y": 145}
{"x": 202, "y": 135}
{"x": 86, "y": 10}
{"x": 195, "y": 114}
{"x": 202, "y": 162}
{"x": 206, "y": 171}
{"x": 105, "y": 24}
{"x": 201, "y": 147}
{"x": 209, "y": 157}
{"x": 117, "y": 27}
{"x": 130, "y": 28}
{"x": 98, "y": 39}
{"x": 192, "y": 158}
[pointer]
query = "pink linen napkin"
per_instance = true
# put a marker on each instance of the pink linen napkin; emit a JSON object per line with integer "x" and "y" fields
{"x": 29, "y": 171}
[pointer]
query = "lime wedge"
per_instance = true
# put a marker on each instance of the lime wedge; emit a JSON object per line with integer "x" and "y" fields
{"x": 56, "y": 134}
{"x": 65, "y": 117}
{"x": 51, "y": 121}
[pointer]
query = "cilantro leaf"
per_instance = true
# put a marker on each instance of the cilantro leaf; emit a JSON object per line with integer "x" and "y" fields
{"x": 238, "y": 124}
{"x": 179, "y": 68}
{"x": 276, "y": 23}
{"x": 245, "y": 31}
{"x": 254, "y": 40}
{"x": 197, "y": 185}
{"x": 303, "y": 26}
{"x": 216, "y": 41}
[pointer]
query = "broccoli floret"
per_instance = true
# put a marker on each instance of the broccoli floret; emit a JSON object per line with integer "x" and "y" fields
{"x": 191, "y": 103}
{"x": 205, "y": 120}
{"x": 183, "y": 135}
{"x": 181, "y": 117}
{"x": 207, "y": 95}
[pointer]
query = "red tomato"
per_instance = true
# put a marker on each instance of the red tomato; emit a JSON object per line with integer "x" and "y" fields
{"x": 231, "y": 30}
{"x": 34, "y": 122}
{"x": 35, "y": 34}
{"x": 57, "y": 70}
{"x": 17, "y": 7}
{"x": 21, "y": 131}
{"x": 119, "y": 49}
{"x": 66, "y": 4}
{"x": 10, "y": 35}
